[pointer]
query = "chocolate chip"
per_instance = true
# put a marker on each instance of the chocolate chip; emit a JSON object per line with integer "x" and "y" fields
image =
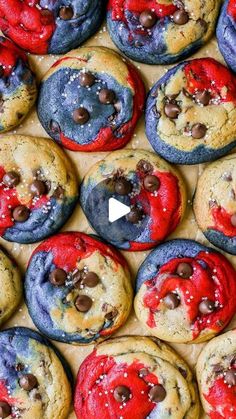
{"x": 86, "y": 79}
{"x": 184, "y": 270}
{"x": 59, "y": 193}
{"x": 19, "y": 367}
{"x": 122, "y": 394}
{"x": 21, "y": 213}
{"x": 28, "y": 382}
{"x": 233, "y": 220}
{"x": 66, "y": 13}
{"x": 90, "y": 279}
{"x": 151, "y": 183}
{"x": 171, "y": 301}
{"x": 107, "y": 96}
{"x": 81, "y": 116}
{"x": 230, "y": 377}
{"x": 148, "y": 18}
{"x": 227, "y": 177}
{"x": 111, "y": 315}
{"x": 123, "y": 186}
{"x": 46, "y": 16}
{"x": 1, "y": 71}
{"x": 135, "y": 215}
{"x": 218, "y": 369}
{"x": 172, "y": 110}
{"x": 11, "y": 179}
{"x": 58, "y": 277}
{"x": 76, "y": 279}
{"x": 144, "y": 166}
{"x": 203, "y": 97}
{"x": 180, "y": 17}
{"x": 157, "y": 393}
{"x": 183, "y": 372}
{"x": 5, "y": 410}
{"x": 38, "y": 188}
{"x": 54, "y": 127}
{"x": 83, "y": 303}
{"x": 206, "y": 306}
{"x": 203, "y": 24}
{"x": 199, "y": 131}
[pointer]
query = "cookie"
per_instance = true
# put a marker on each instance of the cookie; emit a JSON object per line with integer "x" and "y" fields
{"x": 226, "y": 33}
{"x": 152, "y": 189}
{"x": 215, "y": 203}
{"x": 134, "y": 375}
{"x": 216, "y": 372}
{"x": 161, "y": 32}
{"x": 38, "y": 188}
{"x": 18, "y": 89}
{"x": 185, "y": 292}
{"x": 191, "y": 112}
{"x": 77, "y": 288}
{"x": 50, "y": 27}
{"x": 34, "y": 378}
{"x": 10, "y": 285}
{"x": 91, "y": 100}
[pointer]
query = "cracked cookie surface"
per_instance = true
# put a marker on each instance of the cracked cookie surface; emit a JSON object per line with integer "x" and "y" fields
{"x": 191, "y": 112}
{"x": 185, "y": 292}
{"x": 216, "y": 374}
{"x": 135, "y": 375}
{"x": 215, "y": 203}
{"x": 35, "y": 381}
{"x": 91, "y": 100}
{"x": 50, "y": 27}
{"x": 152, "y": 189}
{"x": 226, "y": 32}
{"x": 38, "y": 188}
{"x": 10, "y": 285}
{"x": 78, "y": 289}
{"x": 163, "y": 31}
{"x": 18, "y": 89}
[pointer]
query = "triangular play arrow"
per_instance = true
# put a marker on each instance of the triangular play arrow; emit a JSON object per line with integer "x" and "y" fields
{"x": 116, "y": 210}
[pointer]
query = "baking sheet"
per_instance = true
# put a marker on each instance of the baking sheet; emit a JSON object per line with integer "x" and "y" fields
{"x": 83, "y": 161}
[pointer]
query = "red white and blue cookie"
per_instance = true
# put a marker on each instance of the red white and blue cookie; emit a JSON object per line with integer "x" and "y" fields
{"x": 161, "y": 31}
{"x": 215, "y": 203}
{"x": 38, "y": 188}
{"x": 226, "y": 32}
{"x": 50, "y": 26}
{"x": 153, "y": 191}
{"x": 35, "y": 380}
{"x": 134, "y": 376}
{"x": 18, "y": 89}
{"x": 216, "y": 373}
{"x": 91, "y": 100}
{"x": 185, "y": 292}
{"x": 191, "y": 112}
{"x": 77, "y": 288}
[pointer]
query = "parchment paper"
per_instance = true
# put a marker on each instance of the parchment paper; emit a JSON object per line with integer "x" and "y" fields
{"x": 83, "y": 161}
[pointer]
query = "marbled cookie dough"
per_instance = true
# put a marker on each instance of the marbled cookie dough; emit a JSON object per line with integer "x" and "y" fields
{"x": 161, "y": 31}
{"x": 10, "y": 286}
{"x": 185, "y": 292}
{"x": 226, "y": 32}
{"x": 50, "y": 26}
{"x": 34, "y": 378}
{"x": 77, "y": 288}
{"x": 152, "y": 189}
{"x": 18, "y": 89}
{"x": 38, "y": 188}
{"x": 191, "y": 112}
{"x": 216, "y": 373}
{"x": 91, "y": 100}
{"x": 215, "y": 203}
{"x": 138, "y": 377}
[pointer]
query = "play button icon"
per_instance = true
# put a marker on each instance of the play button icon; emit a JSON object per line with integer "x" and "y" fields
{"x": 116, "y": 210}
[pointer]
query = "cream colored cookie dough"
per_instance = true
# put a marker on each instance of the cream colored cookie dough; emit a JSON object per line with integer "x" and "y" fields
{"x": 10, "y": 286}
